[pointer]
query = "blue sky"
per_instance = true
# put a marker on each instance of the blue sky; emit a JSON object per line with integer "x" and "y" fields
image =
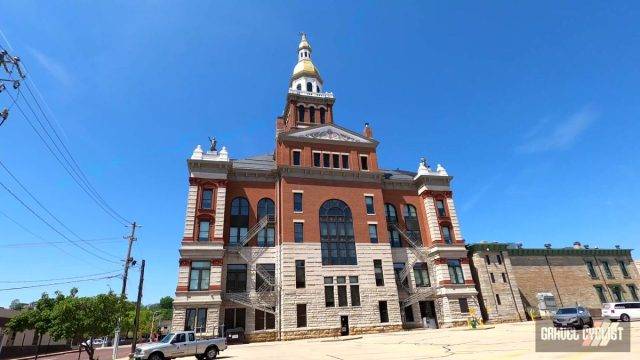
{"x": 532, "y": 107}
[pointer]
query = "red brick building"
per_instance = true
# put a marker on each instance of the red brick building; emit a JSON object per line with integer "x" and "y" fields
{"x": 315, "y": 238}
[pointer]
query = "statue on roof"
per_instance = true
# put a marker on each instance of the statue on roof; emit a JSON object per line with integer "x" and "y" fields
{"x": 213, "y": 142}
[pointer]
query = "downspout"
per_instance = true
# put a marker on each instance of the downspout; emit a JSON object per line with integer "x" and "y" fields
{"x": 513, "y": 296}
{"x": 553, "y": 279}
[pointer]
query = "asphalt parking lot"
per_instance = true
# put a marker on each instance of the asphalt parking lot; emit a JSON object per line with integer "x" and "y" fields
{"x": 512, "y": 341}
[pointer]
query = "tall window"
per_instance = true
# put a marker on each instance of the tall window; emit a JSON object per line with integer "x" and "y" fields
{"x": 455, "y": 272}
{"x": 329, "y": 296}
{"x": 623, "y": 268}
{"x": 309, "y": 87}
{"x": 264, "y": 320}
{"x": 504, "y": 277}
{"x": 301, "y": 315}
{"x": 207, "y": 199}
{"x": 236, "y": 278}
{"x": 493, "y": 278}
{"x": 354, "y": 288}
{"x": 600, "y": 292}
{"x": 591, "y": 269}
{"x": 390, "y": 212}
{"x": 364, "y": 163}
{"x": 203, "y": 230}
{"x": 300, "y": 274}
{"x": 336, "y": 160}
{"x": 267, "y": 235}
{"x": 298, "y": 232}
{"x": 408, "y": 313}
{"x": 607, "y": 269}
{"x": 487, "y": 259}
{"x": 199, "y": 275}
{"x": 498, "y": 299}
{"x": 316, "y": 159}
{"x": 342, "y": 291}
{"x": 234, "y": 318}
{"x": 616, "y": 291}
{"x": 499, "y": 258}
{"x": 326, "y": 160}
{"x": 239, "y": 220}
{"x": 464, "y": 305}
{"x": 270, "y": 269}
{"x": 384, "y": 314}
{"x": 301, "y": 113}
{"x": 446, "y": 234}
{"x": 392, "y": 218}
{"x": 368, "y": 201}
{"x": 440, "y": 208}
{"x": 633, "y": 291}
{"x": 322, "y": 115}
{"x": 312, "y": 114}
{"x": 411, "y": 220}
{"x": 299, "y": 86}
{"x": 336, "y": 234}
{"x": 297, "y": 201}
{"x": 296, "y": 157}
{"x": 345, "y": 161}
{"x": 373, "y": 233}
{"x": 421, "y": 275}
{"x": 196, "y": 320}
{"x": 377, "y": 270}
{"x": 397, "y": 269}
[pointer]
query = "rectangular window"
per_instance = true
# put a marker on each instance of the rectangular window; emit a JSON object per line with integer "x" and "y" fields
{"x": 236, "y": 278}
{"x": 326, "y": 160}
{"x": 499, "y": 258}
{"x": 297, "y": 202}
{"x": 196, "y": 320}
{"x": 633, "y": 291}
{"x": 616, "y": 291}
{"x": 487, "y": 259}
{"x": 364, "y": 162}
{"x": 504, "y": 277}
{"x": 342, "y": 295}
{"x": 455, "y": 272}
{"x": 298, "y": 232}
{"x": 234, "y": 318}
{"x": 384, "y": 314}
{"x": 591, "y": 269}
{"x": 464, "y": 305}
{"x": 345, "y": 161}
{"x": 296, "y": 157}
{"x": 300, "y": 274}
{"x": 336, "y": 161}
{"x": 601, "y": 295}
{"x": 355, "y": 291}
{"x": 440, "y": 207}
{"x": 203, "y": 232}
{"x": 493, "y": 278}
{"x": 270, "y": 270}
{"x": 329, "y": 297}
{"x": 207, "y": 199}
{"x": 373, "y": 233}
{"x": 446, "y": 235}
{"x": 377, "y": 268}
{"x": 623, "y": 268}
{"x": 607, "y": 269}
{"x": 421, "y": 275}
{"x": 316, "y": 159}
{"x": 199, "y": 275}
{"x": 394, "y": 238}
{"x": 264, "y": 320}
{"x": 368, "y": 201}
{"x": 408, "y": 313}
{"x": 498, "y": 299}
{"x": 397, "y": 269}
{"x": 301, "y": 315}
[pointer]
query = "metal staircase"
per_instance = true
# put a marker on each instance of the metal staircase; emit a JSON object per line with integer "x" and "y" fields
{"x": 264, "y": 298}
{"x": 420, "y": 254}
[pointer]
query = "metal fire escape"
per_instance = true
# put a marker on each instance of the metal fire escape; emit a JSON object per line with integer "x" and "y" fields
{"x": 420, "y": 254}
{"x": 263, "y": 298}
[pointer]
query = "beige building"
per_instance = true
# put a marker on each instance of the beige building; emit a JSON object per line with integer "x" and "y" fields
{"x": 513, "y": 280}
{"x": 18, "y": 344}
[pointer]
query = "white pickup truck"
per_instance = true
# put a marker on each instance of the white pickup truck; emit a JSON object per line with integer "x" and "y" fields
{"x": 181, "y": 344}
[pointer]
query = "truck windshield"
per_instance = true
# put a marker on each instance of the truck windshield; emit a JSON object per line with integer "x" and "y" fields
{"x": 167, "y": 338}
{"x": 567, "y": 311}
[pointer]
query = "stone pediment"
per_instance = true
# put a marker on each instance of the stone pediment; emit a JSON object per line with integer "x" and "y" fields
{"x": 331, "y": 133}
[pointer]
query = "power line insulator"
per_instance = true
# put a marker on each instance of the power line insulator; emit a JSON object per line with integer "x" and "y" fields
{"x": 4, "y": 114}
{"x": 16, "y": 84}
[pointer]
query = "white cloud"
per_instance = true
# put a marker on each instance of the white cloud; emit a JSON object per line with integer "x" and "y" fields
{"x": 55, "y": 69}
{"x": 543, "y": 137}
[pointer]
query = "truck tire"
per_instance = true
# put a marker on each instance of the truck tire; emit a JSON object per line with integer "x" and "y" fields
{"x": 156, "y": 356}
{"x": 211, "y": 353}
{"x": 625, "y": 318}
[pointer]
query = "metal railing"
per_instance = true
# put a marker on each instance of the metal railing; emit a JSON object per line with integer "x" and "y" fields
{"x": 420, "y": 254}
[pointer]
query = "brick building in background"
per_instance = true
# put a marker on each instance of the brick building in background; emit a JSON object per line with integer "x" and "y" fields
{"x": 315, "y": 239}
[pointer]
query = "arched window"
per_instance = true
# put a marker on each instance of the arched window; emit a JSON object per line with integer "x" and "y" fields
{"x": 312, "y": 114}
{"x": 336, "y": 234}
{"x": 322, "y": 115}
{"x": 239, "y": 220}
{"x": 392, "y": 220}
{"x": 266, "y": 236}
{"x": 309, "y": 87}
{"x": 299, "y": 87}
{"x": 317, "y": 88}
{"x": 300, "y": 113}
{"x": 411, "y": 221}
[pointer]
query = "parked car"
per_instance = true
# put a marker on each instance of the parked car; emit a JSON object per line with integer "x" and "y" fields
{"x": 623, "y": 311}
{"x": 181, "y": 344}
{"x": 575, "y": 317}
{"x": 95, "y": 342}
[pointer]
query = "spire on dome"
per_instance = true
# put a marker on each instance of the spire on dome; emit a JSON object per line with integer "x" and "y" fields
{"x": 304, "y": 44}
{"x": 306, "y": 76}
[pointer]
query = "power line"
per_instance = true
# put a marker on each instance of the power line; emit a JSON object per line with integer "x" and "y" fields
{"x": 59, "y": 283}
{"x": 45, "y": 208}
{"x": 56, "y": 279}
{"x": 52, "y": 227}
{"x": 38, "y": 244}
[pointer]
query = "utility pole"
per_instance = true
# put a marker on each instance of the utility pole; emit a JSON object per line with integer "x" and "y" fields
{"x": 127, "y": 261}
{"x": 136, "y": 321}
{"x": 9, "y": 64}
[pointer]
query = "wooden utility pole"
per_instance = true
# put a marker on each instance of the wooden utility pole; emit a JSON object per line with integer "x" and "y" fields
{"x": 136, "y": 321}
{"x": 123, "y": 293}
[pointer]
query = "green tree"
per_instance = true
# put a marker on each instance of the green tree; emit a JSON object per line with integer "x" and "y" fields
{"x": 17, "y": 305}
{"x": 87, "y": 318}
{"x": 166, "y": 303}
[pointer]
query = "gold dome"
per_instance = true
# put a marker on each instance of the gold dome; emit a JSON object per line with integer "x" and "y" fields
{"x": 305, "y": 68}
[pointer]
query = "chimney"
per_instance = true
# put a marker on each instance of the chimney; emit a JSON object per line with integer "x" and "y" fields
{"x": 547, "y": 246}
{"x": 577, "y": 245}
{"x": 367, "y": 132}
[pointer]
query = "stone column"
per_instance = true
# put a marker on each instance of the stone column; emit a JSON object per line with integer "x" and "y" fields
{"x": 192, "y": 199}
{"x": 218, "y": 227}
